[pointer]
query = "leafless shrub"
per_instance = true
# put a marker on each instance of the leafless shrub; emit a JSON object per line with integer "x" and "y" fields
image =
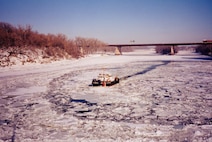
{"x": 204, "y": 49}
{"x": 59, "y": 46}
{"x": 89, "y": 45}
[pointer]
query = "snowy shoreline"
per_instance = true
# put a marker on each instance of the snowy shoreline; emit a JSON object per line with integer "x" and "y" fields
{"x": 137, "y": 55}
{"x": 161, "y": 98}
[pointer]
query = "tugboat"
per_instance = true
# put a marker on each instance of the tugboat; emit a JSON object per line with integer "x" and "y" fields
{"x": 105, "y": 80}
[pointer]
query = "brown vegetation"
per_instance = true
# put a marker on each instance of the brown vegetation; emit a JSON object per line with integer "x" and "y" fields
{"x": 90, "y": 45}
{"x": 22, "y": 40}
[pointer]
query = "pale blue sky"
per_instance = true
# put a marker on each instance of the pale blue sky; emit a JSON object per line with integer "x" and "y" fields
{"x": 115, "y": 21}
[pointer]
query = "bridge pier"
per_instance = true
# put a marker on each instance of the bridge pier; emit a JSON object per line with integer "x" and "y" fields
{"x": 118, "y": 50}
{"x": 172, "y": 50}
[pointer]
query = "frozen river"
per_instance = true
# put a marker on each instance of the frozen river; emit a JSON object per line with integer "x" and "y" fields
{"x": 159, "y": 98}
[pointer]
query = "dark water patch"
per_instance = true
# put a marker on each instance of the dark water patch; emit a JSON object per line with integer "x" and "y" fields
{"x": 10, "y": 97}
{"x": 83, "y": 101}
{"x": 207, "y": 121}
{"x": 178, "y": 126}
{"x": 108, "y": 104}
{"x": 146, "y": 70}
{"x": 187, "y": 122}
{"x": 30, "y": 105}
{"x": 83, "y": 111}
{"x": 6, "y": 121}
{"x": 207, "y": 58}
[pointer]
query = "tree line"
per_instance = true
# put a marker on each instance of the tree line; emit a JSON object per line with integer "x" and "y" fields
{"x": 23, "y": 37}
{"x": 204, "y": 49}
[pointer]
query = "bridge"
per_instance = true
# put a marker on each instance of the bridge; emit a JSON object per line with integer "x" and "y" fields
{"x": 172, "y": 45}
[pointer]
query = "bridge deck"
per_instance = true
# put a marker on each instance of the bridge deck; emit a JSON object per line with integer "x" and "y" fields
{"x": 119, "y": 46}
{"x": 161, "y": 44}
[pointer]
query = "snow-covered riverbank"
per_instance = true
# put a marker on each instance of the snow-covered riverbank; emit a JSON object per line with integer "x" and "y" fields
{"x": 159, "y": 98}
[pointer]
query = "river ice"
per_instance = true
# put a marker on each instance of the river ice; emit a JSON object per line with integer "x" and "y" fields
{"x": 159, "y": 98}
